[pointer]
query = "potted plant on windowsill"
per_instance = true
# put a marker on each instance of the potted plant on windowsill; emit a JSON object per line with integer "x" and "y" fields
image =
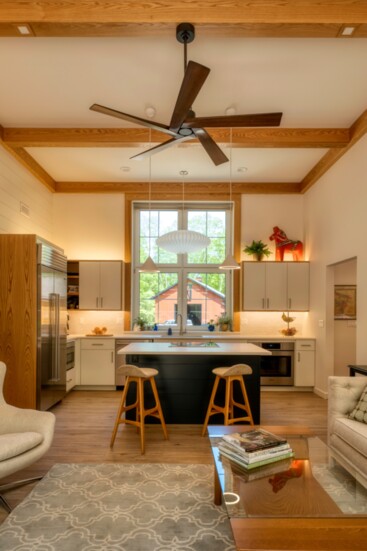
{"x": 257, "y": 249}
{"x": 224, "y": 322}
{"x": 140, "y": 323}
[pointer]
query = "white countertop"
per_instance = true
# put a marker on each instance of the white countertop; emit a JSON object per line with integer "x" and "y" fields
{"x": 141, "y": 336}
{"x": 223, "y": 349}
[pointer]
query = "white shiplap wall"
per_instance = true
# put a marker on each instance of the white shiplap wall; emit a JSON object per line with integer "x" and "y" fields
{"x": 16, "y": 186}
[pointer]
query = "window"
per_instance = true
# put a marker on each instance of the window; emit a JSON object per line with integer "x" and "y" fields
{"x": 189, "y": 284}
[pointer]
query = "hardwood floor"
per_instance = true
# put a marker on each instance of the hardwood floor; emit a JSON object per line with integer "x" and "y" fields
{"x": 84, "y": 422}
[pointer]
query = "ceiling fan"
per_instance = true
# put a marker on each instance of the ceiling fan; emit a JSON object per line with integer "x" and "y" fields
{"x": 184, "y": 124}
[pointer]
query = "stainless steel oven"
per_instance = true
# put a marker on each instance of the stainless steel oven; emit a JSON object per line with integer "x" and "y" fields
{"x": 277, "y": 369}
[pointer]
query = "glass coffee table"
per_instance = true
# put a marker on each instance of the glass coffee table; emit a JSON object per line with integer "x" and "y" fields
{"x": 304, "y": 503}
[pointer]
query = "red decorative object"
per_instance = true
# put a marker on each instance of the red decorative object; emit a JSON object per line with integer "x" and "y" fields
{"x": 283, "y": 244}
{"x": 279, "y": 480}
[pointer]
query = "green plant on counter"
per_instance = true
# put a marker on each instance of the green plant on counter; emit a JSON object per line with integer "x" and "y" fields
{"x": 258, "y": 249}
{"x": 224, "y": 322}
{"x": 141, "y": 322}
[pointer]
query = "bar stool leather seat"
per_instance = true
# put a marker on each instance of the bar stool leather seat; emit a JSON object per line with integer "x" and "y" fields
{"x": 138, "y": 375}
{"x": 229, "y": 375}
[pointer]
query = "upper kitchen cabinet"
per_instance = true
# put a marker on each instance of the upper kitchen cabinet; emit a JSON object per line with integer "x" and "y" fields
{"x": 275, "y": 286}
{"x": 100, "y": 285}
{"x": 298, "y": 286}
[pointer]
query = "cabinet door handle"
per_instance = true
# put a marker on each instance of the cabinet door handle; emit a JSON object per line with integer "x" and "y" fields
{"x": 263, "y": 304}
{"x": 289, "y": 303}
{"x": 101, "y": 302}
{"x": 267, "y": 303}
{"x": 112, "y": 357}
{"x": 97, "y": 343}
{"x": 299, "y": 356}
{"x": 96, "y": 302}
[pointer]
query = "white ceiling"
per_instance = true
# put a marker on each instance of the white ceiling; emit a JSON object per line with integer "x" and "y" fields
{"x": 51, "y": 82}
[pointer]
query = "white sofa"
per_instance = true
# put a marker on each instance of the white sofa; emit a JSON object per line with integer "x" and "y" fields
{"x": 347, "y": 438}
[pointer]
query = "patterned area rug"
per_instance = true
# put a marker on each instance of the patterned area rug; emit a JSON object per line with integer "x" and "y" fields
{"x": 118, "y": 507}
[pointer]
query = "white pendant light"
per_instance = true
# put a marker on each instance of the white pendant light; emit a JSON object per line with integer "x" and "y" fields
{"x": 230, "y": 263}
{"x": 149, "y": 265}
{"x": 183, "y": 241}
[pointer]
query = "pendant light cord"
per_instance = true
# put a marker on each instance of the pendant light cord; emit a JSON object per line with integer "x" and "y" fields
{"x": 150, "y": 181}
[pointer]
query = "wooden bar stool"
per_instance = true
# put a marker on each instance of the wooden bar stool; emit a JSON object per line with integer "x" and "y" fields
{"x": 229, "y": 374}
{"x": 139, "y": 376}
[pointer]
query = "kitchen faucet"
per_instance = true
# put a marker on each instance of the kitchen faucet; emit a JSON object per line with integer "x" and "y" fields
{"x": 181, "y": 329}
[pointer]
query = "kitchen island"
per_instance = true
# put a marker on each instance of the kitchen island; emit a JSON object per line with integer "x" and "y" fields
{"x": 185, "y": 378}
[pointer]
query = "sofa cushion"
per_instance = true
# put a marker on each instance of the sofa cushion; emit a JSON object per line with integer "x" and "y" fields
{"x": 353, "y": 433}
{"x": 14, "y": 444}
{"x": 359, "y": 413}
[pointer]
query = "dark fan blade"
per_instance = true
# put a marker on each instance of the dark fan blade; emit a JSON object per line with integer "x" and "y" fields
{"x": 160, "y": 147}
{"x": 212, "y": 149}
{"x": 262, "y": 119}
{"x": 195, "y": 76}
{"x": 131, "y": 118}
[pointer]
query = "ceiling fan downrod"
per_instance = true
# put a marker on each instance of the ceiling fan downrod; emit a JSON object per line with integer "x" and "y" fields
{"x": 185, "y": 33}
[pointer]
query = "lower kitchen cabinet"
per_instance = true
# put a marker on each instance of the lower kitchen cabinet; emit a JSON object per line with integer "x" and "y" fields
{"x": 70, "y": 379}
{"x": 304, "y": 363}
{"x": 97, "y": 362}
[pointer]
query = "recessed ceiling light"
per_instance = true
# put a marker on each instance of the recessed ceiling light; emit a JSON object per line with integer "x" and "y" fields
{"x": 150, "y": 112}
{"x": 125, "y": 168}
{"x": 242, "y": 169}
{"x": 24, "y": 29}
{"x": 348, "y": 31}
{"x": 230, "y": 110}
{"x": 184, "y": 172}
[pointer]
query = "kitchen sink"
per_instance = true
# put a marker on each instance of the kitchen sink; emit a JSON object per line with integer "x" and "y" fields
{"x": 184, "y": 344}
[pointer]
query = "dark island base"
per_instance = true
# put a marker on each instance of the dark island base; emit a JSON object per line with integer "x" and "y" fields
{"x": 185, "y": 383}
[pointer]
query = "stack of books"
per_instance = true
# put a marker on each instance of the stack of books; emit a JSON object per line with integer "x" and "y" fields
{"x": 254, "y": 448}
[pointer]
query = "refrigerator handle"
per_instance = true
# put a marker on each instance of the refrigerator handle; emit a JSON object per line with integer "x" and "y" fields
{"x": 53, "y": 330}
{"x": 57, "y": 330}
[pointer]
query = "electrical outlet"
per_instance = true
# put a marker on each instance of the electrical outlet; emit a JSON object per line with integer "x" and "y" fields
{"x": 321, "y": 323}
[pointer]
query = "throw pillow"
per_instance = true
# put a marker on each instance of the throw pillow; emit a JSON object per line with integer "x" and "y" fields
{"x": 360, "y": 411}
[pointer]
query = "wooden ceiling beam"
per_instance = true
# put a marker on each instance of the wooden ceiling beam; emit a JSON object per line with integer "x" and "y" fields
{"x": 21, "y": 155}
{"x": 173, "y": 190}
{"x": 174, "y": 11}
{"x": 132, "y": 137}
{"x": 357, "y": 131}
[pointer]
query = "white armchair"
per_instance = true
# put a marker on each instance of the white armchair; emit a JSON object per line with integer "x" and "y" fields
{"x": 25, "y": 435}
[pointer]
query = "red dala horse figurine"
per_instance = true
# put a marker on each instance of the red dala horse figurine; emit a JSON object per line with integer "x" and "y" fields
{"x": 283, "y": 244}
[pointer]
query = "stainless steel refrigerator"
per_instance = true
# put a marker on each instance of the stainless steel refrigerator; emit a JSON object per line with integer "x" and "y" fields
{"x": 51, "y": 325}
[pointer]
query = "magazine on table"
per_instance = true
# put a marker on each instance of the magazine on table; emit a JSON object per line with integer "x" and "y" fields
{"x": 253, "y": 457}
{"x": 236, "y": 458}
{"x": 254, "y": 440}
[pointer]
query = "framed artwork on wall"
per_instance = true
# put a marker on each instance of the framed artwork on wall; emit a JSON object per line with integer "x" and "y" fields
{"x": 345, "y": 302}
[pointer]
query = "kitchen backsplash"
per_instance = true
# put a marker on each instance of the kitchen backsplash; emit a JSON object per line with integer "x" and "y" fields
{"x": 270, "y": 323}
{"x": 82, "y": 322}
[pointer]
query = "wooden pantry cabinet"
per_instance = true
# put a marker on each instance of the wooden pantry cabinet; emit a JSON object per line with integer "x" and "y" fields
{"x": 100, "y": 285}
{"x": 276, "y": 286}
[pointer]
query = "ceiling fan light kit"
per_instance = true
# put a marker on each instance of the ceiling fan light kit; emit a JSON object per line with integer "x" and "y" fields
{"x": 184, "y": 124}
